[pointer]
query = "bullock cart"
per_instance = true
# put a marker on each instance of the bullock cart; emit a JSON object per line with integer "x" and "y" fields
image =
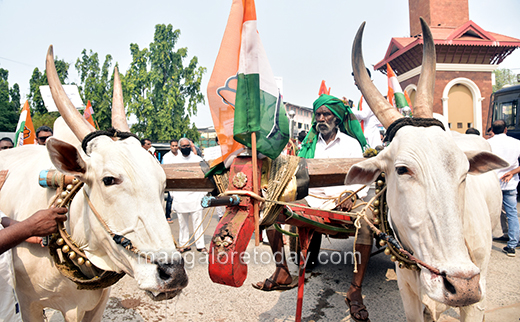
{"x": 234, "y": 231}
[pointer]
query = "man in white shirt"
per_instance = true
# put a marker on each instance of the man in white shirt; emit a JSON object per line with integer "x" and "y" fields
{"x": 188, "y": 203}
{"x": 508, "y": 148}
{"x": 328, "y": 139}
{"x": 371, "y": 124}
{"x": 167, "y": 159}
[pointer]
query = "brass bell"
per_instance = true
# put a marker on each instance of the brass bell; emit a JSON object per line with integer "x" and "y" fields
{"x": 382, "y": 242}
{"x": 378, "y": 190}
{"x": 81, "y": 261}
{"x": 414, "y": 267}
{"x": 401, "y": 264}
{"x": 59, "y": 201}
{"x": 377, "y": 221}
{"x": 64, "y": 194}
{"x": 72, "y": 255}
{"x": 393, "y": 258}
{"x": 376, "y": 212}
{"x": 387, "y": 251}
{"x": 382, "y": 174}
{"x": 88, "y": 264}
{"x": 380, "y": 183}
{"x": 65, "y": 249}
{"x": 69, "y": 187}
{"x": 60, "y": 241}
{"x": 75, "y": 181}
{"x": 376, "y": 203}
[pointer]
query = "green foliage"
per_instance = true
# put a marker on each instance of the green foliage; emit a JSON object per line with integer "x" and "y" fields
{"x": 96, "y": 86}
{"x": 48, "y": 119}
{"x": 39, "y": 79}
{"x": 9, "y": 103}
{"x": 504, "y": 77}
{"x": 160, "y": 90}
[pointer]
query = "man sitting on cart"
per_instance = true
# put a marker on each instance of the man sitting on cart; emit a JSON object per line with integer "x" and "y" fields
{"x": 335, "y": 133}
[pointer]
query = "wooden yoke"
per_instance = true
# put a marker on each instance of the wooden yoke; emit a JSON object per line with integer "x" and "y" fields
{"x": 234, "y": 230}
{"x": 322, "y": 173}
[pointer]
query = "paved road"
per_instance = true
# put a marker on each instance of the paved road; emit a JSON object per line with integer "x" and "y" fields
{"x": 325, "y": 290}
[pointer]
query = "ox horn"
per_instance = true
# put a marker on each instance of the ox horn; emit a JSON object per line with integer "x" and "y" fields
{"x": 383, "y": 110}
{"x": 423, "y": 106}
{"x": 118, "y": 107}
{"x": 77, "y": 123}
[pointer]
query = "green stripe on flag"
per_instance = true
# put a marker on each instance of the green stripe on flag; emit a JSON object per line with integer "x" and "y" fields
{"x": 400, "y": 100}
{"x": 261, "y": 112}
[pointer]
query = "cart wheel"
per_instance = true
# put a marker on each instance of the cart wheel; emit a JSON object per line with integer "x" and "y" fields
{"x": 313, "y": 252}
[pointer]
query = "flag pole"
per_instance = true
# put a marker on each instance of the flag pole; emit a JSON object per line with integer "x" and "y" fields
{"x": 255, "y": 189}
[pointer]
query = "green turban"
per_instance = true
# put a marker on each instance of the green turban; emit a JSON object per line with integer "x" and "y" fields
{"x": 348, "y": 124}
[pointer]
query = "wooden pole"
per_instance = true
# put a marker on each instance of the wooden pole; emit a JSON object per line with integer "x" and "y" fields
{"x": 255, "y": 189}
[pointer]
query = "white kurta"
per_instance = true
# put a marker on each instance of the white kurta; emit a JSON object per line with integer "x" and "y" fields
{"x": 370, "y": 126}
{"x": 343, "y": 146}
{"x": 186, "y": 203}
{"x": 507, "y": 148}
{"x": 9, "y": 307}
{"x": 169, "y": 156}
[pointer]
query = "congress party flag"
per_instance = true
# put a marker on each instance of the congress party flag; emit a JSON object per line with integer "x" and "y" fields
{"x": 25, "y": 129}
{"x": 242, "y": 91}
{"x": 395, "y": 94}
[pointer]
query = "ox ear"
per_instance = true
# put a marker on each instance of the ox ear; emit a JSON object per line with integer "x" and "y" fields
{"x": 66, "y": 157}
{"x": 484, "y": 161}
{"x": 364, "y": 172}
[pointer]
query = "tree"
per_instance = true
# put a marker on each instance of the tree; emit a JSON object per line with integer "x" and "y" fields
{"x": 40, "y": 115}
{"x": 503, "y": 77}
{"x": 96, "y": 86}
{"x": 9, "y": 103}
{"x": 160, "y": 91}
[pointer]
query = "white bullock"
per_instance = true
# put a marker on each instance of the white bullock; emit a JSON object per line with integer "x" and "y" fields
{"x": 442, "y": 197}
{"x": 125, "y": 185}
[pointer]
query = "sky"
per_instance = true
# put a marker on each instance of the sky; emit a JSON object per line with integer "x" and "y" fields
{"x": 305, "y": 41}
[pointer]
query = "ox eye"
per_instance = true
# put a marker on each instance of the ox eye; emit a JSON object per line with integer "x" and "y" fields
{"x": 109, "y": 181}
{"x": 401, "y": 170}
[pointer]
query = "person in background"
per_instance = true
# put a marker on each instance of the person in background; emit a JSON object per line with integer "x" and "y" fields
{"x": 508, "y": 148}
{"x": 167, "y": 159}
{"x": 371, "y": 124}
{"x": 147, "y": 145}
{"x": 188, "y": 203}
{"x": 6, "y": 143}
{"x": 42, "y": 134}
{"x": 472, "y": 131}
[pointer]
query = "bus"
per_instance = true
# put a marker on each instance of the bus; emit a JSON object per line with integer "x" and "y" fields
{"x": 504, "y": 105}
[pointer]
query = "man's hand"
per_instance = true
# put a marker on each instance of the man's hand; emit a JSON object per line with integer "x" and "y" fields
{"x": 506, "y": 177}
{"x": 347, "y": 203}
{"x": 45, "y": 222}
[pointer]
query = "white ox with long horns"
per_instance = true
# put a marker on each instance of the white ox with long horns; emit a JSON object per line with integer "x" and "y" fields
{"x": 442, "y": 196}
{"x": 123, "y": 183}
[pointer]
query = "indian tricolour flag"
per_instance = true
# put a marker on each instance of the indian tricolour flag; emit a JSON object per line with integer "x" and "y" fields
{"x": 88, "y": 114}
{"x": 395, "y": 94}
{"x": 25, "y": 129}
{"x": 242, "y": 91}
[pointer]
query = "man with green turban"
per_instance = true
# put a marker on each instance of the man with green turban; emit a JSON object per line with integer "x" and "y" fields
{"x": 335, "y": 133}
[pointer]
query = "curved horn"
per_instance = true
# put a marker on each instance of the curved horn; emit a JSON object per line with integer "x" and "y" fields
{"x": 384, "y": 111}
{"x": 118, "y": 107}
{"x": 77, "y": 123}
{"x": 423, "y": 106}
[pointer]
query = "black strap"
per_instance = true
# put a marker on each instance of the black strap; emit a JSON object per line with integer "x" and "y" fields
{"x": 406, "y": 121}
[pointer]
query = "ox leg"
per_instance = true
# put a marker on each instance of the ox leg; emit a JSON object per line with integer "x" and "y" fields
{"x": 32, "y": 312}
{"x": 409, "y": 288}
{"x": 96, "y": 314}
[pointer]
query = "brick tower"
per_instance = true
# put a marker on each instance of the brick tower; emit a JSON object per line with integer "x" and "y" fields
{"x": 467, "y": 55}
